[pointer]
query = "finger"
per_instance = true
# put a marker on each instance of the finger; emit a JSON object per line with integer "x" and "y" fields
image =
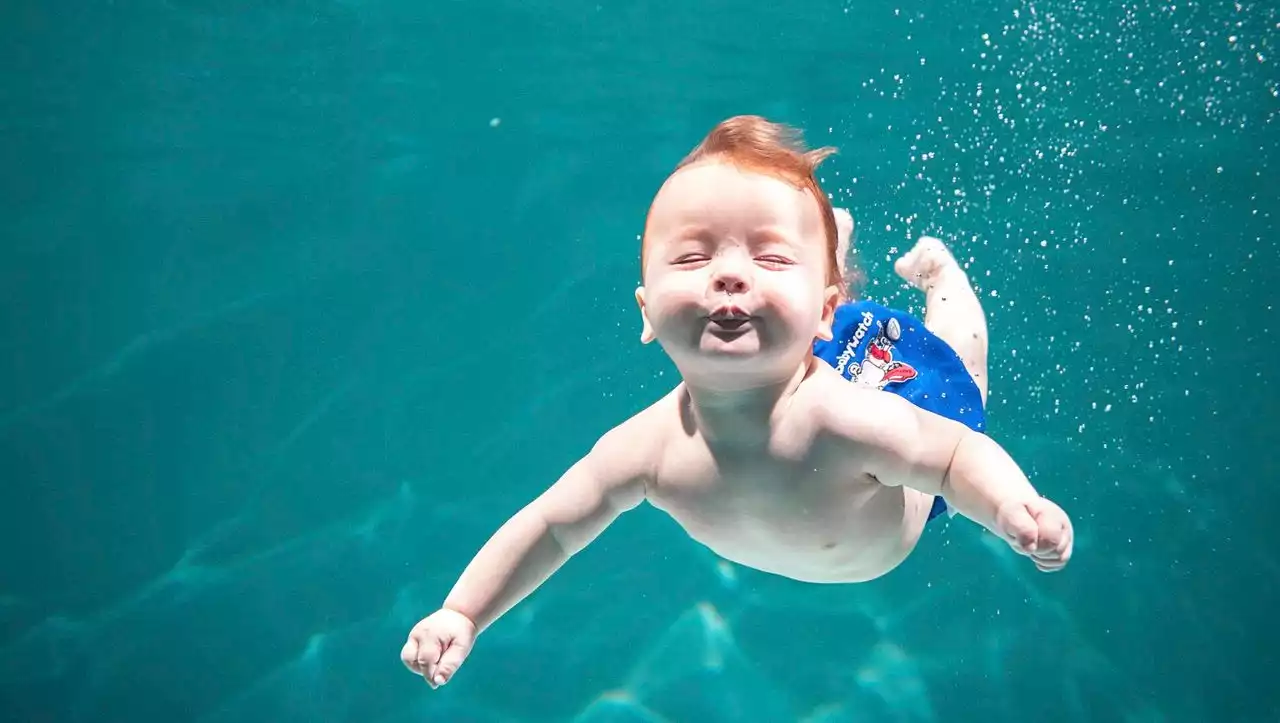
{"x": 428, "y": 657}
{"x": 1061, "y": 541}
{"x": 450, "y": 661}
{"x": 1049, "y": 565}
{"x": 1064, "y": 555}
{"x": 1022, "y": 531}
{"x": 1049, "y": 527}
{"x": 1053, "y": 563}
{"x": 1054, "y": 544}
{"x": 409, "y": 655}
{"x": 1048, "y": 544}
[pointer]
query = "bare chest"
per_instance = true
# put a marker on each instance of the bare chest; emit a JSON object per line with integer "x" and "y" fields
{"x": 791, "y": 511}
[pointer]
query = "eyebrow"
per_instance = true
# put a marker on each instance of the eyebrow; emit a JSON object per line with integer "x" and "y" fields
{"x": 771, "y": 234}
{"x": 691, "y": 232}
{"x": 764, "y": 235}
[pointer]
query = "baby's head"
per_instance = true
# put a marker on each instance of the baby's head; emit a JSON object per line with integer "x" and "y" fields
{"x": 739, "y": 255}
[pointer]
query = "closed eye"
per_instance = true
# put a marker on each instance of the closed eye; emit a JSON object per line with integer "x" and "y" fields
{"x": 690, "y": 259}
{"x": 776, "y": 260}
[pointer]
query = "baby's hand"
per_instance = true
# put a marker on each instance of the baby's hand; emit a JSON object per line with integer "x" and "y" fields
{"x": 1038, "y": 529}
{"x": 437, "y": 645}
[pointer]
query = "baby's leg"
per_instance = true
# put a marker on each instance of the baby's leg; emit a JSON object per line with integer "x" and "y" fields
{"x": 844, "y": 230}
{"x": 952, "y": 309}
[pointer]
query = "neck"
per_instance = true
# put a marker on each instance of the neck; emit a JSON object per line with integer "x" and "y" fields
{"x": 742, "y": 413}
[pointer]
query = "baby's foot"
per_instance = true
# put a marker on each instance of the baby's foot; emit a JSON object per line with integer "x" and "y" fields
{"x": 927, "y": 264}
{"x": 844, "y": 229}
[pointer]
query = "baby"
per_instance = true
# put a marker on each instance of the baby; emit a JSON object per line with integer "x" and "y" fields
{"x": 765, "y": 452}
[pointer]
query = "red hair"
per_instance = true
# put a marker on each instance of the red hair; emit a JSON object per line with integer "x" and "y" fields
{"x": 755, "y": 144}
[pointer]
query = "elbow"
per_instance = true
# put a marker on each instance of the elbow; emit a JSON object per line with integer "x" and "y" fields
{"x": 536, "y": 529}
{"x": 538, "y": 525}
{"x": 561, "y": 536}
{"x": 953, "y": 467}
{"x": 569, "y": 533}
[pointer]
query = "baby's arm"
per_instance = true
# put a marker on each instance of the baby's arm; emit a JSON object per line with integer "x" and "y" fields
{"x": 910, "y": 447}
{"x": 538, "y": 539}
{"x": 529, "y": 547}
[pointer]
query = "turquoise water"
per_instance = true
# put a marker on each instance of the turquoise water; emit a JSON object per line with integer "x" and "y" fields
{"x": 302, "y": 299}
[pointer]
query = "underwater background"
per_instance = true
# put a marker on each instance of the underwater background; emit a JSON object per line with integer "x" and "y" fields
{"x": 302, "y": 299}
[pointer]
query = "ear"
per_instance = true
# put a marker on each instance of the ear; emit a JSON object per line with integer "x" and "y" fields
{"x": 830, "y": 300}
{"x": 646, "y": 329}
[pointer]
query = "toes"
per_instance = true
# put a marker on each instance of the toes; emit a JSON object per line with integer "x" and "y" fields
{"x": 902, "y": 267}
{"x": 912, "y": 268}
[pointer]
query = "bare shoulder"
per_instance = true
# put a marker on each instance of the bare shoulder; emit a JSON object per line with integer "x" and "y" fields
{"x": 857, "y": 413}
{"x": 624, "y": 459}
{"x": 894, "y": 434}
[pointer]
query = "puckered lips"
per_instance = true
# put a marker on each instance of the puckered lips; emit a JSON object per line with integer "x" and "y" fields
{"x": 728, "y": 318}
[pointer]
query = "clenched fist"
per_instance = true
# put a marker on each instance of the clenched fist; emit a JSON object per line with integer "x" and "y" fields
{"x": 1038, "y": 529}
{"x": 437, "y": 645}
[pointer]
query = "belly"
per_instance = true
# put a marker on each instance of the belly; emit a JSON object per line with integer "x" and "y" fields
{"x": 848, "y": 539}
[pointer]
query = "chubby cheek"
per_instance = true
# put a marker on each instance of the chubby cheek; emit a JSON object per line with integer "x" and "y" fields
{"x": 802, "y": 310}
{"x": 671, "y": 302}
{"x": 794, "y": 298}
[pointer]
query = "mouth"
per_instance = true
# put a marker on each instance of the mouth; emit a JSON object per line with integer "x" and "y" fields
{"x": 729, "y": 317}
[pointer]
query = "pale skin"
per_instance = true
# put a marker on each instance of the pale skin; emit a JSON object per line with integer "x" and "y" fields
{"x": 953, "y": 311}
{"x": 763, "y": 453}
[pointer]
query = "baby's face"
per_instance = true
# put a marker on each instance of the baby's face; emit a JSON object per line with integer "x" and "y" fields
{"x": 735, "y": 271}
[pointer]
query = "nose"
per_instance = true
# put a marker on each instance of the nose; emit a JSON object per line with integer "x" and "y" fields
{"x": 730, "y": 278}
{"x": 730, "y": 282}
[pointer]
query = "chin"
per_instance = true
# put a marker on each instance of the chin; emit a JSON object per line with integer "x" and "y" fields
{"x": 746, "y": 364}
{"x": 736, "y": 349}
